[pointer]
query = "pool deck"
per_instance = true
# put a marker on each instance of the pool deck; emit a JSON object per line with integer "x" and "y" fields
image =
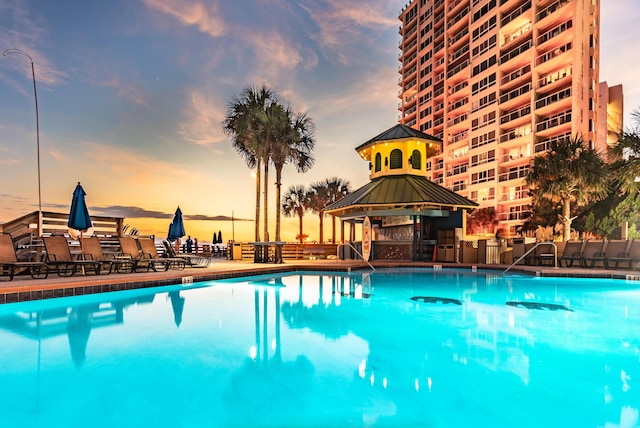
{"x": 24, "y": 288}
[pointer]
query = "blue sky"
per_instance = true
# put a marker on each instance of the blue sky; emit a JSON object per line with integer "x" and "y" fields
{"x": 131, "y": 94}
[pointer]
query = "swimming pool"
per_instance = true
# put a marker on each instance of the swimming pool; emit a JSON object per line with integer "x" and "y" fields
{"x": 409, "y": 348}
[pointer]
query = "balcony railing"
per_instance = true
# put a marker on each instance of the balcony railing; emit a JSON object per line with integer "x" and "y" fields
{"x": 458, "y": 17}
{"x": 457, "y": 54}
{"x": 555, "y": 31}
{"x": 458, "y": 119}
{"x": 459, "y": 136}
{"x": 554, "y": 77}
{"x": 554, "y": 121}
{"x": 514, "y": 134}
{"x": 458, "y": 87}
{"x": 458, "y": 169}
{"x": 550, "y": 9}
{"x": 515, "y": 74}
{"x": 458, "y": 68}
{"x": 524, "y": 89}
{"x": 514, "y": 196}
{"x": 514, "y": 174}
{"x": 459, "y": 35}
{"x": 515, "y": 13}
{"x": 515, "y": 114}
{"x": 459, "y": 103}
{"x": 553, "y": 53}
{"x": 515, "y": 52}
{"x": 550, "y": 99}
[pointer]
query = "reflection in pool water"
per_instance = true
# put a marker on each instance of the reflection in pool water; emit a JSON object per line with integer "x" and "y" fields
{"x": 390, "y": 348}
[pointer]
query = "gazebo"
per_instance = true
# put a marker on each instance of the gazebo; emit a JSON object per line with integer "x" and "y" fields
{"x": 409, "y": 215}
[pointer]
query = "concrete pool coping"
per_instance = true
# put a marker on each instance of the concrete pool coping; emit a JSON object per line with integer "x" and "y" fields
{"x": 24, "y": 288}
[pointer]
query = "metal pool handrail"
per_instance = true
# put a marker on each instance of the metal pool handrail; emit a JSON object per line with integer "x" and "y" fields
{"x": 358, "y": 253}
{"x": 555, "y": 255}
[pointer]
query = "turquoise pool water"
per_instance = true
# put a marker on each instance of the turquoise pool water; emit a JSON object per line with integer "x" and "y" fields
{"x": 396, "y": 348}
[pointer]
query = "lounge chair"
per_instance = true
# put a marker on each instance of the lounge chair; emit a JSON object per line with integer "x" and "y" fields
{"x": 92, "y": 250}
{"x": 149, "y": 250}
{"x": 545, "y": 254}
{"x": 130, "y": 249}
{"x": 614, "y": 248}
{"x": 59, "y": 257}
{"x": 631, "y": 256}
{"x": 592, "y": 252}
{"x": 572, "y": 253}
{"x": 10, "y": 266}
{"x": 191, "y": 259}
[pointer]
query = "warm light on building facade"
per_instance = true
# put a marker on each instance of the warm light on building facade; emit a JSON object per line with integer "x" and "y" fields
{"x": 498, "y": 80}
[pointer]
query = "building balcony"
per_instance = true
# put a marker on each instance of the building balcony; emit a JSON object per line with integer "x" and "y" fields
{"x": 558, "y": 123}
{"x": 553, "y": 12}
{"x": 457, "y": 170}
{"x": 516, "y": 97}
{"x": 408, "y": 36}
{"x": 513, "y": 15}
{"x": 554, "y": 81}
{"x": 458, "y": 106}
{"x": 514, "y": 156}
{"x": 458, "y": 90}
{"x": 543, "y": 144}
{"x": 459, "y": 20}
{"x": 456, "y": 4}
{"x": 560, "y": 100}
{"x": 514, "y": 174}
{"x": 460, "y": 137}
{"x": 513, "y": 78}
{"x": 458, "y": 123}
{"x": 517, "y": 117}
{"x": 515, "y": 52}
{"x": 553, "y": 34}
{"x": 515, "y": 215}
{"x": 459, "y": 37}
{"x": 456, "y": 72}
{"x": 514, "y": 196}
{"x": 514, "y": 136}
{"x": 514, "y": 36}
{"x": 554, "y": 58}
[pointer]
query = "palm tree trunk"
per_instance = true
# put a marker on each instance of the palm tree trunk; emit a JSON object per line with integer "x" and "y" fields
{"x": 566, "y": 219}
{"x": 257, "y": 221}
{"x": 278, "y": 208}
{"x": 266, "y": 208}
{"x": 300, "y": 232}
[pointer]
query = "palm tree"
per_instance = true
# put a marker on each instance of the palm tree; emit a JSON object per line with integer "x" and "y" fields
{"x": 625, "y": 158}
{"x": 569, "y": 171}
{"x": 318, "y": 199}
{"x": 292, "y": 143}
{"x": 337, "y": 189}
{"x": 242, "y": 124}
{"x": 295, "y": 202}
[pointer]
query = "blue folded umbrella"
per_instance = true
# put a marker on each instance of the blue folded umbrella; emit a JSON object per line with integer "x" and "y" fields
{"x": 79, "y": 218}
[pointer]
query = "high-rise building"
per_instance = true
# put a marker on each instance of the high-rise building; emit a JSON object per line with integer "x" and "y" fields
{"x": 497, "y": 80}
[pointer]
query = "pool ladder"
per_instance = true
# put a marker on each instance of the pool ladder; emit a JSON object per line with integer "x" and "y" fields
{"x": 358, "y": 253}
{"x": 555, "y": 254}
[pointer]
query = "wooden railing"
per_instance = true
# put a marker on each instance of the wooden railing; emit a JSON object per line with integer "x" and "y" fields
{"x": 25, "y": 229}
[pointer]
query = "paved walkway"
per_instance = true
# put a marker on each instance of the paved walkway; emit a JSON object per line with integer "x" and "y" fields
{"x": 24, "y": 288}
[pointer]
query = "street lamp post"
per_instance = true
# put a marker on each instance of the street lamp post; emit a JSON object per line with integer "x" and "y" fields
{"x": 35, "y": 95}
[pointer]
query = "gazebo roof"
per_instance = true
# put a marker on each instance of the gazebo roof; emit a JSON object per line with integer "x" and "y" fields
{"x": 402, "y": 193}
{"x": 399, "y": 132}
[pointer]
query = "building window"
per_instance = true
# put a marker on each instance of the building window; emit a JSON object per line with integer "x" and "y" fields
{"x": 415, "y": 160}
{"x": 395, "y": 158}
{"x": 378, "y": 165}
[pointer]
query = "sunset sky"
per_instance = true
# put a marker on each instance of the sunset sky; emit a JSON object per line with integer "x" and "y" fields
{"x": 132, "y": 93}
